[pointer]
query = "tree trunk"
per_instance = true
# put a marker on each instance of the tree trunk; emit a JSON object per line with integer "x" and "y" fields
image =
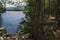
{"x": 36, "y": 21}
{"x": 0, "y": 20}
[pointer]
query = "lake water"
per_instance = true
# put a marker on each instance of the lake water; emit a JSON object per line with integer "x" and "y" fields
{"x": 11, "y": 21}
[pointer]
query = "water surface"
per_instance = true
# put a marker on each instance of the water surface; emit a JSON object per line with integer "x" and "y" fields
{"x": 11, "y": 21}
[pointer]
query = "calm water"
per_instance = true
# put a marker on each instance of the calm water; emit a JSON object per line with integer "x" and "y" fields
{"x": 11, "y": 21}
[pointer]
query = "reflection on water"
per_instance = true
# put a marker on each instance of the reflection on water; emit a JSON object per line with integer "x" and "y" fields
{"x": 11, "y": 21}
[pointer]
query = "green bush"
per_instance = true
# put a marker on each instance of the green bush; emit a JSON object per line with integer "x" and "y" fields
{"x": 2, "y": 9}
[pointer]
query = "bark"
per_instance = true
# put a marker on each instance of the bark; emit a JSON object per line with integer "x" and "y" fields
{"x": 36, "y": 21}
{"x": 0, "y": 20}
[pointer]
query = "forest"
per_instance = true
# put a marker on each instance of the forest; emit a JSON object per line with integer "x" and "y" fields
{"x": 43, "y": 20}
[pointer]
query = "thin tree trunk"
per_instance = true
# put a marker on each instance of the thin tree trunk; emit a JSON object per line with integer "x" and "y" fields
{"x": 0, "y": 20}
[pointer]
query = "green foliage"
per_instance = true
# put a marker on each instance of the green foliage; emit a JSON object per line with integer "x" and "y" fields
{"x": 27, "y": 26}
{"x": 2, "y": 9}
